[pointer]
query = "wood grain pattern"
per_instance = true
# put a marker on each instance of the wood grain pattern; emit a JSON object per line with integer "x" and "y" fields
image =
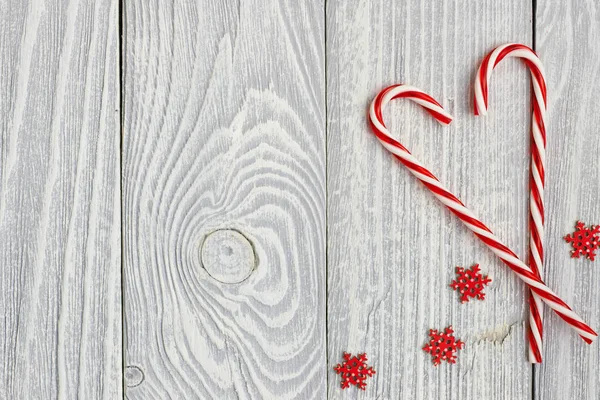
{"x": 566, "y": 43}
{"x": 60, "y": 266}
{"x": 224, "y": 129}
{"x": 224, "y": 137}
{"x": 392, "y": 249}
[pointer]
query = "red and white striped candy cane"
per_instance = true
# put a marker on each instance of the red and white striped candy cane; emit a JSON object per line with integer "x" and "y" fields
{"x": 457, "y": 207}
{"x": 536, "y": 180}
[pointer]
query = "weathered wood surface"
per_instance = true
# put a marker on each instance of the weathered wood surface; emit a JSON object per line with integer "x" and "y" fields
{"x": 60, "y": 229}
{"x": 226, "y": 199}
{"x": 392, "y": 248}
{"x": 224, "y": 130}
{"x": 567, "y": 42}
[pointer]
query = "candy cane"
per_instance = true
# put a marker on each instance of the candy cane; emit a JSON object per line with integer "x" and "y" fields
{"x": 457, "y": 207}
{"x": 536, "y": 180}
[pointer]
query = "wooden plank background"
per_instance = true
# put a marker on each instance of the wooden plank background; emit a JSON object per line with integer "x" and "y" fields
{"x": 392, "y": 249}
{"x": 224, "y": 129}
{"x": 192, "y": 204}
{"x": 566, "y": 44}
{"x": 60, "y": 222}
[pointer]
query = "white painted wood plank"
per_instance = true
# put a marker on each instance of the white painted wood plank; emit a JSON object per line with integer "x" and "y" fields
{"x": 567, "y": 35}
{"x": 224, "y": 143}
{"x": 392, "y": 248}
{"x": 60, "y": 265}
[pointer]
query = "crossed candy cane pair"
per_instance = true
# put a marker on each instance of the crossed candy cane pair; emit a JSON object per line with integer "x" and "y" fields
{"x": 531, "y": 275}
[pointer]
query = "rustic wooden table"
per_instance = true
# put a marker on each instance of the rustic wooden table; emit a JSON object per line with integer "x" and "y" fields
{"x": 192, "y": 204}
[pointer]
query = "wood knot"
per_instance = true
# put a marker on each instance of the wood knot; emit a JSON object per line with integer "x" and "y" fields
{"x": 134, "y": 376}
{"x": 228, "y": 256}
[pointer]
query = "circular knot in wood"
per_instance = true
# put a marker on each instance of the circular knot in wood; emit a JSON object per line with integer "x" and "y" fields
{"x": 228, "y": 256}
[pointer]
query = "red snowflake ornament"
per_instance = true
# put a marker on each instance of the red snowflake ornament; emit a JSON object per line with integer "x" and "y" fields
{"x": 470, "y": 283}
{"x": 584, "y": 240}
{"x": 354, "y": 371}
{"x": 443, "y": 346}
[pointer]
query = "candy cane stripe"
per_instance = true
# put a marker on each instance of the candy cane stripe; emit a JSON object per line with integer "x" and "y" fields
{"x": 537, "y": 175}
{"x": 457, "y": 207}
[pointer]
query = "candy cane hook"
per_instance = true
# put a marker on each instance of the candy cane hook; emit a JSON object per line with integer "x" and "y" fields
{"x": 536, "y": 180}
{"x": 457, "y": 207}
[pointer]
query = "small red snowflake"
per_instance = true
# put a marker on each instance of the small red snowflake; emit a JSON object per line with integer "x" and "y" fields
{"x": 470, "y": 283}
{"x": 354, "y": 371}
{"x": 584, "y": 240}
{"x": 443, "y": 346}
